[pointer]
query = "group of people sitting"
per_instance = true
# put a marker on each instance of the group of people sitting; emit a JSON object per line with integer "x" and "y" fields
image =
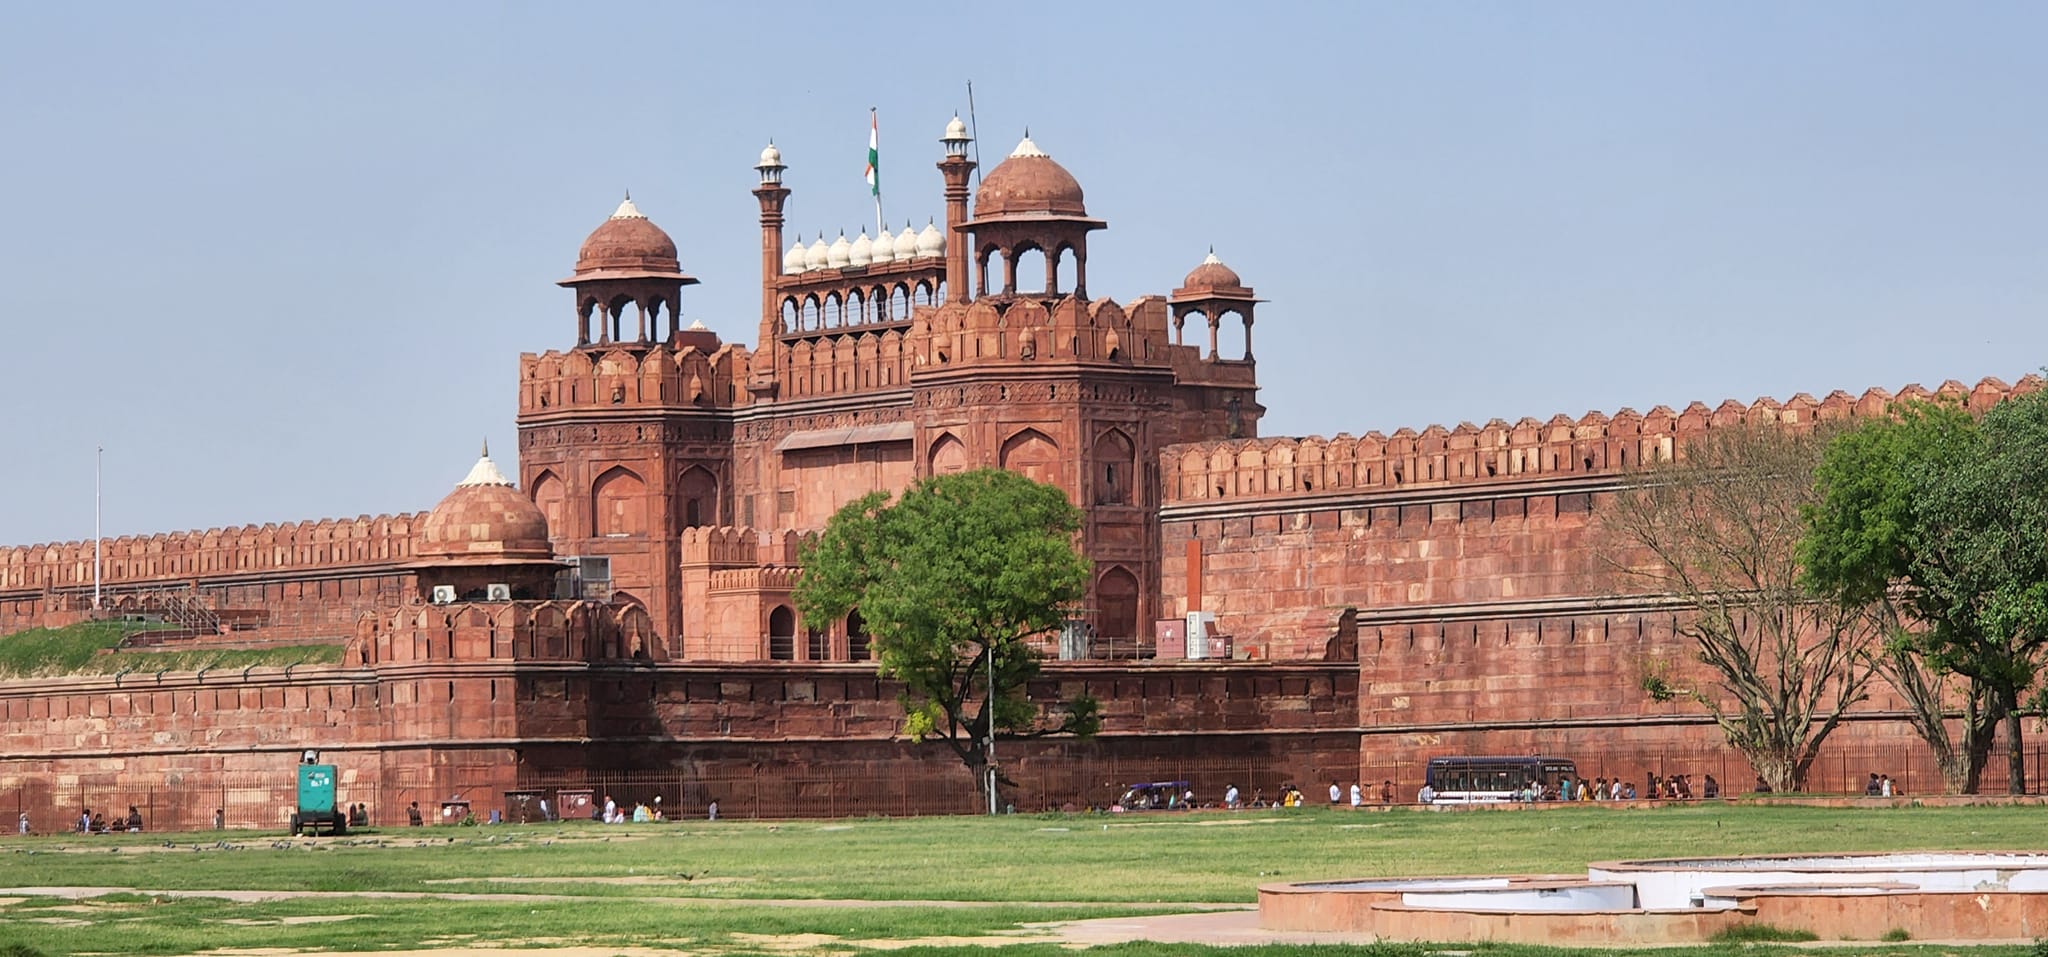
{"x": 358, "y": 815}
{"x": 92, "y": 822}
{"x": 612, "y": 813}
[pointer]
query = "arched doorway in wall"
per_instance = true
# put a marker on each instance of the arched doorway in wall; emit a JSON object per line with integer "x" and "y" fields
{"x": 857, "y": 637}
{"x": 948, "y": 455}
{"x": 1116, "y": 599}
{"x": 1034, "y": 455}
{"x": 698, "y": 491}
{"x": 782, "y": 634}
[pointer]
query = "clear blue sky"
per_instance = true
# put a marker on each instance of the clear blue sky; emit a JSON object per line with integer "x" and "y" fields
{"x": 280, "y": 259}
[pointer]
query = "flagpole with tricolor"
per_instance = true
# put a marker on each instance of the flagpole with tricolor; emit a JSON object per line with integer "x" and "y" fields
{"x": 874, "y": 170}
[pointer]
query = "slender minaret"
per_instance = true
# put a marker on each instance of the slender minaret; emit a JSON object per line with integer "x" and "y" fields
{"x": 772, "y": 196}
{"x": 956, "y": 167}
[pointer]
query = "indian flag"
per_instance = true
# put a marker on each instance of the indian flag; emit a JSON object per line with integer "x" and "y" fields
{"x": 874, "y": 174}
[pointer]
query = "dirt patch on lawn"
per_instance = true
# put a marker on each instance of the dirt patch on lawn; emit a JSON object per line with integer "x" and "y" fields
{"x": 282, "y": 921}
{"x": 630, "y": 880}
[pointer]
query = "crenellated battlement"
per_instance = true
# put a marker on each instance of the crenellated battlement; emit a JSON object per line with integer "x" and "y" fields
{"x": 697, "y": 372}
{"x": 214, "y": 553}
{"x": 755, "y": 579}
{"x": 1595, "y": 443}
{"x": 582, "y": 631}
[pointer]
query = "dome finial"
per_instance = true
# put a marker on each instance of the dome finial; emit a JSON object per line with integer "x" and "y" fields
{"x": 487, "y": 448}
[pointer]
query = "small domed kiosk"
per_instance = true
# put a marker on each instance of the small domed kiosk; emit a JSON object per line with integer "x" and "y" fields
{"x": 484, "y": 542}
{"x": 627, "y": 261}
{"x": 1030, "y": 202}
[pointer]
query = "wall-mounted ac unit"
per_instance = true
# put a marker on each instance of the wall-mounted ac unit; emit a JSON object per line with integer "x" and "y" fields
{"x": 444, "y": 594}
{"x": 497, "y": 591}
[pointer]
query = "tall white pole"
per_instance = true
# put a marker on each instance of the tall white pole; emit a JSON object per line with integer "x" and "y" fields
{"x": 98, "y": 455}
{"x": 991, "y": 727}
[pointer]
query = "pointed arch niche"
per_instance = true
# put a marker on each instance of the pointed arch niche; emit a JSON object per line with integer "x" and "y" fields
{"x": 948, "y": 455}
{"x": 619, "y": 503}
{"x": 551, "y": 497}
{"x": 1113, "y": 461}
{"x": 1034, "y": 455}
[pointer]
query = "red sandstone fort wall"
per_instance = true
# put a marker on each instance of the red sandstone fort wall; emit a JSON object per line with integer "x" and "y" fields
{"x": 1487, "y": 615}
{"x": 180, "y": 745}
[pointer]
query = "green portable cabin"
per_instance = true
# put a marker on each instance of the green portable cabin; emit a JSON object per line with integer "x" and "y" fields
{"x": 316, "y": 808}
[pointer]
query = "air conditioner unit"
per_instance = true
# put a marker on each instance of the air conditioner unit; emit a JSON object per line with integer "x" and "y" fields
{"x": 497, "y": 591}
{"x": 1201, "y": 635}
{"x": 444, "y": 594}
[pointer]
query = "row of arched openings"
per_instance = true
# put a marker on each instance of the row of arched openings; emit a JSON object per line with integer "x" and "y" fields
{"x": 818, "y": 644}
{"x": 857, "y": 307}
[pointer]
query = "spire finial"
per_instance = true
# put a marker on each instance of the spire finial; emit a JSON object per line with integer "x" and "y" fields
{"x": 487, "y": 449}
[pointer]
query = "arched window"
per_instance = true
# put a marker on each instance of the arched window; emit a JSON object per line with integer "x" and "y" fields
{"x": 1030, "y": 271}
{"x": 1114, "y": 465}
{"x": 699, "y": 492}
{"x": 857, "y": 636}
{"x": 782, "y": 634}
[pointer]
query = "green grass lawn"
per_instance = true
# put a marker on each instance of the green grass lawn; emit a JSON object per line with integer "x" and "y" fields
{"x": 698, "y": 887}
{"x": 89, "y": 648}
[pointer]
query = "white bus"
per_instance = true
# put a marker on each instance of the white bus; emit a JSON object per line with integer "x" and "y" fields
{"x": 1461, "y": 779}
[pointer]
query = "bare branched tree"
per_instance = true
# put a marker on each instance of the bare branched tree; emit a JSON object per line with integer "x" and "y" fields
{"x": 1719, "y": 529}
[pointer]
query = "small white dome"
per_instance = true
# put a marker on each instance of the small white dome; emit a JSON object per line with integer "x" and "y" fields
{"x": 884, "y": 247}
{"x": 931, "y": 242}
{"x": 816, "y": 256}
{"x": 770, "y": 157}
{"x": 627, "y": 210}
{"x": 906, "y": 244}
{"x": 840, "y": 253}
{"x": 793, "y": 261}
{"x": 863, "y": 251}
{"x": 1027, "y": 148}
{"x": 956, "y": 130}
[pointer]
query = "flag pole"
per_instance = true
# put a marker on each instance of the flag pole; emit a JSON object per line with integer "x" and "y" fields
{"x": 874, "y": 165}
{"x": 99, "y": 454}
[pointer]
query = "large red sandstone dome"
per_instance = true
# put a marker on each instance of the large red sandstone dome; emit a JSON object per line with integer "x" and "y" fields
{"x": 485, "y": 521}
{"x": 1028, "y": 182}
{"x": 627, "y": 246}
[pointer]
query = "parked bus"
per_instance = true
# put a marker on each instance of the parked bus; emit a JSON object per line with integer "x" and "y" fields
{"x": 1472, "y": 779}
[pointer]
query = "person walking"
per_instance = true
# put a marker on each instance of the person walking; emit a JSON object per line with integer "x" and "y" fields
{"x": 1336, "y": 793}
{"x": 1357, "y": 795}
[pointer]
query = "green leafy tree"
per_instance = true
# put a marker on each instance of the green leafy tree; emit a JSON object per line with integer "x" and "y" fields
{"x": 1874, "y": 484}
{"x": 1719, "y": 530}
{"x": 952, "y": 580}
{"x": 1963, "y": 542}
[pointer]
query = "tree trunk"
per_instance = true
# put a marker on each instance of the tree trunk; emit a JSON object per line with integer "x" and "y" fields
{"x": 2015, "y": 755}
